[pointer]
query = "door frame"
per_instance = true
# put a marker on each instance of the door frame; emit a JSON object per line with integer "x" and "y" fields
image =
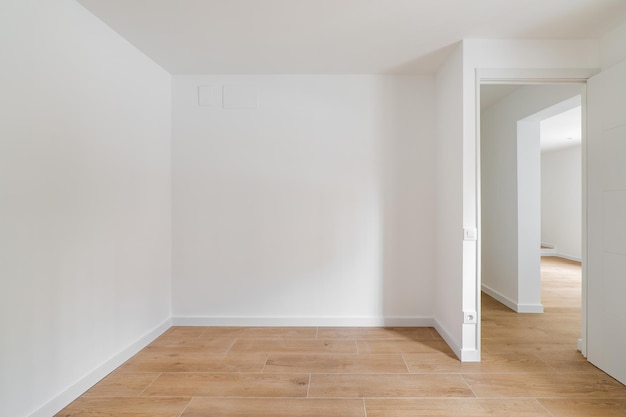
{"x": 545, "y": 76}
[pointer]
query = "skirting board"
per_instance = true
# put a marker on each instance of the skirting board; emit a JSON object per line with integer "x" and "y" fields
{"x": 63, "y": 399}
{"x": 554, "y": 252}
{"x": 464, "y": 355}
{"x": 570, "y": 257}
{"x": 518, "y": 308}
{"x": 305, "y": 321}
{"x": 449, "y": 339}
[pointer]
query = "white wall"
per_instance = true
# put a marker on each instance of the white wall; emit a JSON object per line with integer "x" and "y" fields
{"x": 502, "y": 276}
{"x": 457, "y": 170}
{"x": 561, "y": 200}
{"x": 314, "y": 208}
{"x": 85, "y": 202}
{"x": 538, "y": 59}
{"x": 528, "y": 216}
{"x": 450, "y": 200}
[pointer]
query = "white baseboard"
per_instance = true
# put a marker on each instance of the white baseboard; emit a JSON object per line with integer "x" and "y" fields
{"x": 570, "y": 257}
{"x": 530, "y": 308}
{"x": 518, "y": 308}
{"x": 63, "y": 399}
{"x": 464, "y": 355}
{"x": 449, "y": 339}
{"x": 305, "y": 321}
{"x": 499, "y": 297}
{"x": 554, "y": 252}
{"x": 470, "y": 355}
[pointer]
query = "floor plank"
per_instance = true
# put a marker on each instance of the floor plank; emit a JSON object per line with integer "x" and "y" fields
{"x": 268, "y": 407}
{"x": 382, "y": 346}
{"x": 545, "y": 385}
{"x": 285, "y": 345}
{"x": 325, "y": 363}
{"x": 160, "y": 361}
{"x": 455, "y": 407}
{"x": 388, "y": 385}
{"x": 125, "y": 407}
{"x": 171, "y": 344}
{"x": 410, "y": 333}
{"x": 119, "y": 384}
{"x": 585, "y": 408}
{"x": 228, "y": 385}
{"x": 259, "y": 332}
{"x": 490, "y": 363}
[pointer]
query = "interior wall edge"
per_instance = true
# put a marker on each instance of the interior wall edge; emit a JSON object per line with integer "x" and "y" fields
{"x": 517, "y": 307}
{"x": 530, "y": 308}
{"x": 566, "y": 256}
{"x": 498, "y": 296}
{"x": 448, "y": 337}
{"x": 63, "y": 399}
{"x": 338, "y": 321}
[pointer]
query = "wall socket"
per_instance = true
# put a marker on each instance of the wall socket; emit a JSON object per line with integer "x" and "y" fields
{"x": 469, "y": 317}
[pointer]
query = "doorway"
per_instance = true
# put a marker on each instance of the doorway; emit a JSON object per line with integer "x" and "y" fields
{"x": 510, "y": 149}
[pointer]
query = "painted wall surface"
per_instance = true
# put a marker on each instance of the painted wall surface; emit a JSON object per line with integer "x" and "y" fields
{"x": 539, "y": 58}
{"x": 606, "y": 225}
{"x": 528, "y": 216}
{"x": 449, "y": 200}
{"x": 315, "y": 207}
{"x": 561, "y": 200}
{"x": 84, "y": 202}
{"x": 499, "y": 186}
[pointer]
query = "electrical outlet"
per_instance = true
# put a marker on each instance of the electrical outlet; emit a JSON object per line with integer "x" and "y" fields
{"x": 469, "y": 317}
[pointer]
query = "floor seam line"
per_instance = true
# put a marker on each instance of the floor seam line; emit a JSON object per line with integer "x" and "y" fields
{"x": 185, "y": 407}
{"x": 308, "y": 388}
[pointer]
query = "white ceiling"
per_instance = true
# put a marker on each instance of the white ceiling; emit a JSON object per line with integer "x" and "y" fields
{"x": 337, "y": 36}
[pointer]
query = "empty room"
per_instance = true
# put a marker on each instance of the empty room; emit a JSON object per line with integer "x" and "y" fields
{"x": 277, "y": 208}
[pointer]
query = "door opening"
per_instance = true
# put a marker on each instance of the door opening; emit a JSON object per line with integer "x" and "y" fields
{"x": 510, "y": 183}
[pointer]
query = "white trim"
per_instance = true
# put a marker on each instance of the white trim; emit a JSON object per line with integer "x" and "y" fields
{"x": 470, "y": 355}
{"x": 530, "y": 308}
{"x": 585, "y": 234}
{"x": 449, "y": 339}
{"x": 555, "y": 253}
{"x": 464, "y": 355}
{"x": 534, "y": 75}
{"x": 566, "y": 256}
{"x": 77, "y": 389}
{"x": 357, "y": 321}
{"x": 518, "y": 308}
{"x": 499, "y": 297}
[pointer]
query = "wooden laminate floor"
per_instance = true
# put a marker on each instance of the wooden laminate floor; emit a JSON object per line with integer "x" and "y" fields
{"x": 530, "y": 368}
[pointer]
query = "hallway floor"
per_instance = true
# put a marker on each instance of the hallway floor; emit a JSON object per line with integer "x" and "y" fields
{"x": 530, "y": 368}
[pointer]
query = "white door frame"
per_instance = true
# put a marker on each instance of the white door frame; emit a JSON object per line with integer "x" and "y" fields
{"x": 525, "y": 77}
